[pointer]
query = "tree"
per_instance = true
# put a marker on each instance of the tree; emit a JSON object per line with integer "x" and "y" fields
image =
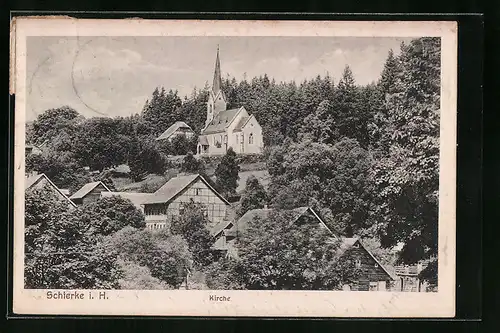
{"x": 254, "y": 196}
{"x": 145, "y": 158}
{"x": 334, "y": 180}
{"x": 191, "y": 165}
{"x": 225, "y": 274}
{"x": 352, "y": 118}
{"x": 99, "y": 145}
{"x": 53, "y": 121}
{"x": 60, "y": 167}
{"x": 137, "y": 277}
{"x": 277, "y": 253}
{"x": 407, "y": 176}
{"x": 59, "y": 252}
{"x": 320, "y": 126}
{"x": 165, "y": 256}
{"x": 192, "y": 226}
{"x": 226, "y": 173}
{"x": 161, "y": 111}
{"x": 110, "y": 214}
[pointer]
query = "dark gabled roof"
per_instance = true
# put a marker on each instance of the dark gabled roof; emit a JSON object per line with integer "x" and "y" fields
{"x": 221, "y": 121}
{"x": 175, "y": 186}
{"x": 347, "y": 243}
{"x": 31, "y": 181}
{"x": 137, "y": 199}
{"x": 263, "y": 213}
{"x": 86, "y": 189}
{"x": 172, "y": 129}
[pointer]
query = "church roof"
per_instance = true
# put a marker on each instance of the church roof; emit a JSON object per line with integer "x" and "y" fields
{"x": 221, "y": 121}
{"x": 217, "y": 83}
{"x": 172, "y": 129}
{"x": 241, "y": 123}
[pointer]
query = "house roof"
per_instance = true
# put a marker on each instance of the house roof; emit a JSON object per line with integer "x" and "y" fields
{"x": 30, "y": 181}
{"x": 86, "y": 189}
{"x": 137, "y": 199}
{"x": 221, "y": 121}
{"x": 347, "y": 243}
{"x": 176, "y": 185}
{"x": 263, "y": 213}
{"x": 172, "y": 129}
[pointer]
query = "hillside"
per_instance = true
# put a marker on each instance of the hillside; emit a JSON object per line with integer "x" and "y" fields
{"x": 152, "y": 181}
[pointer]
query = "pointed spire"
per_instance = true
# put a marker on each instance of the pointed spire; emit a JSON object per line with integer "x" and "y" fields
{"x": 217, "y": 84}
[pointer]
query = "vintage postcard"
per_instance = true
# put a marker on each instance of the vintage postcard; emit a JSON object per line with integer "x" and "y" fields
{"x": 234, "y": 168}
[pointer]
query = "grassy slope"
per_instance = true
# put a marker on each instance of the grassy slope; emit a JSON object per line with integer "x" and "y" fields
{"x": 152, "y": 182}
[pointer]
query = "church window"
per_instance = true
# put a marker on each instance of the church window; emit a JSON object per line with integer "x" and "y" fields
{"x": 250, "y": 138}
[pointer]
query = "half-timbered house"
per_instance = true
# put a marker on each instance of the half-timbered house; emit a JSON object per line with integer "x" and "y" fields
{"x": 170, "y": 199}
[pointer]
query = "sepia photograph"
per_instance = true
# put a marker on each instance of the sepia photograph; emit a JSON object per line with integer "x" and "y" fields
{"x": 294, "y": 161}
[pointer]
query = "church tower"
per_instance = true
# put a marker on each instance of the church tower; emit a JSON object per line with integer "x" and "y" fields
{"x": 216, "y": 98}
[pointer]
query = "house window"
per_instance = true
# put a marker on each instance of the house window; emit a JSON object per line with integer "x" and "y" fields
{"x": 250, "y": 138}
{"x": 197, "y": 191}
{"x": 358, "y": 263}
{"x": 373, "y": 286}
{"x": 236, "y": 138}
{"x": 242, "y": 138}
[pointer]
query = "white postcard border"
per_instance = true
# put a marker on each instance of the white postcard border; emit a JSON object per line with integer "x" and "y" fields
{"x": 246, "y": 303}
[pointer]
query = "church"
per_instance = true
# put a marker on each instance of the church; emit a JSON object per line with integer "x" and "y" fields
{"x": 224, "y": 128}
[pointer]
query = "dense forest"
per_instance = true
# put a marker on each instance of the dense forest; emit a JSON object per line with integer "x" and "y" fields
{"x": 365, "y": 157}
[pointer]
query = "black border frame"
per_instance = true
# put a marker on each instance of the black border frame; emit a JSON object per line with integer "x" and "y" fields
{"x": 469, "y": 157}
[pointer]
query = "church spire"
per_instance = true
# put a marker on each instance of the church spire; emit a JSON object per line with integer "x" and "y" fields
{"x": 217, "y": 84}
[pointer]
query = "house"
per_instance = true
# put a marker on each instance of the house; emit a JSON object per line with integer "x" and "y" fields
{"x": 224, "y": 128}
{"x": 408, "y": 278}
{"x": 373, "y": 275}
{"x": 89, "y": 192}
{"x": 225, "y": 234}
{"x": 41, "y": 180}
{"x": 138, "y": 199}
{"x": 178, "y": 128}
{"x": 169, "y": 201}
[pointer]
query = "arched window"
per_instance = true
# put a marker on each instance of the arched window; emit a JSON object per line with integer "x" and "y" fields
{"x": 250, "y": 138}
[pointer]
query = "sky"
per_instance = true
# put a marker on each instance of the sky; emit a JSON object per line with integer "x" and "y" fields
{"x": 114, "y": 76}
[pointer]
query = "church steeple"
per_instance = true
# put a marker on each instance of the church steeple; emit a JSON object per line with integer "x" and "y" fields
{"x": 217, "y": 84}
{"x": 216, "y": 98}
